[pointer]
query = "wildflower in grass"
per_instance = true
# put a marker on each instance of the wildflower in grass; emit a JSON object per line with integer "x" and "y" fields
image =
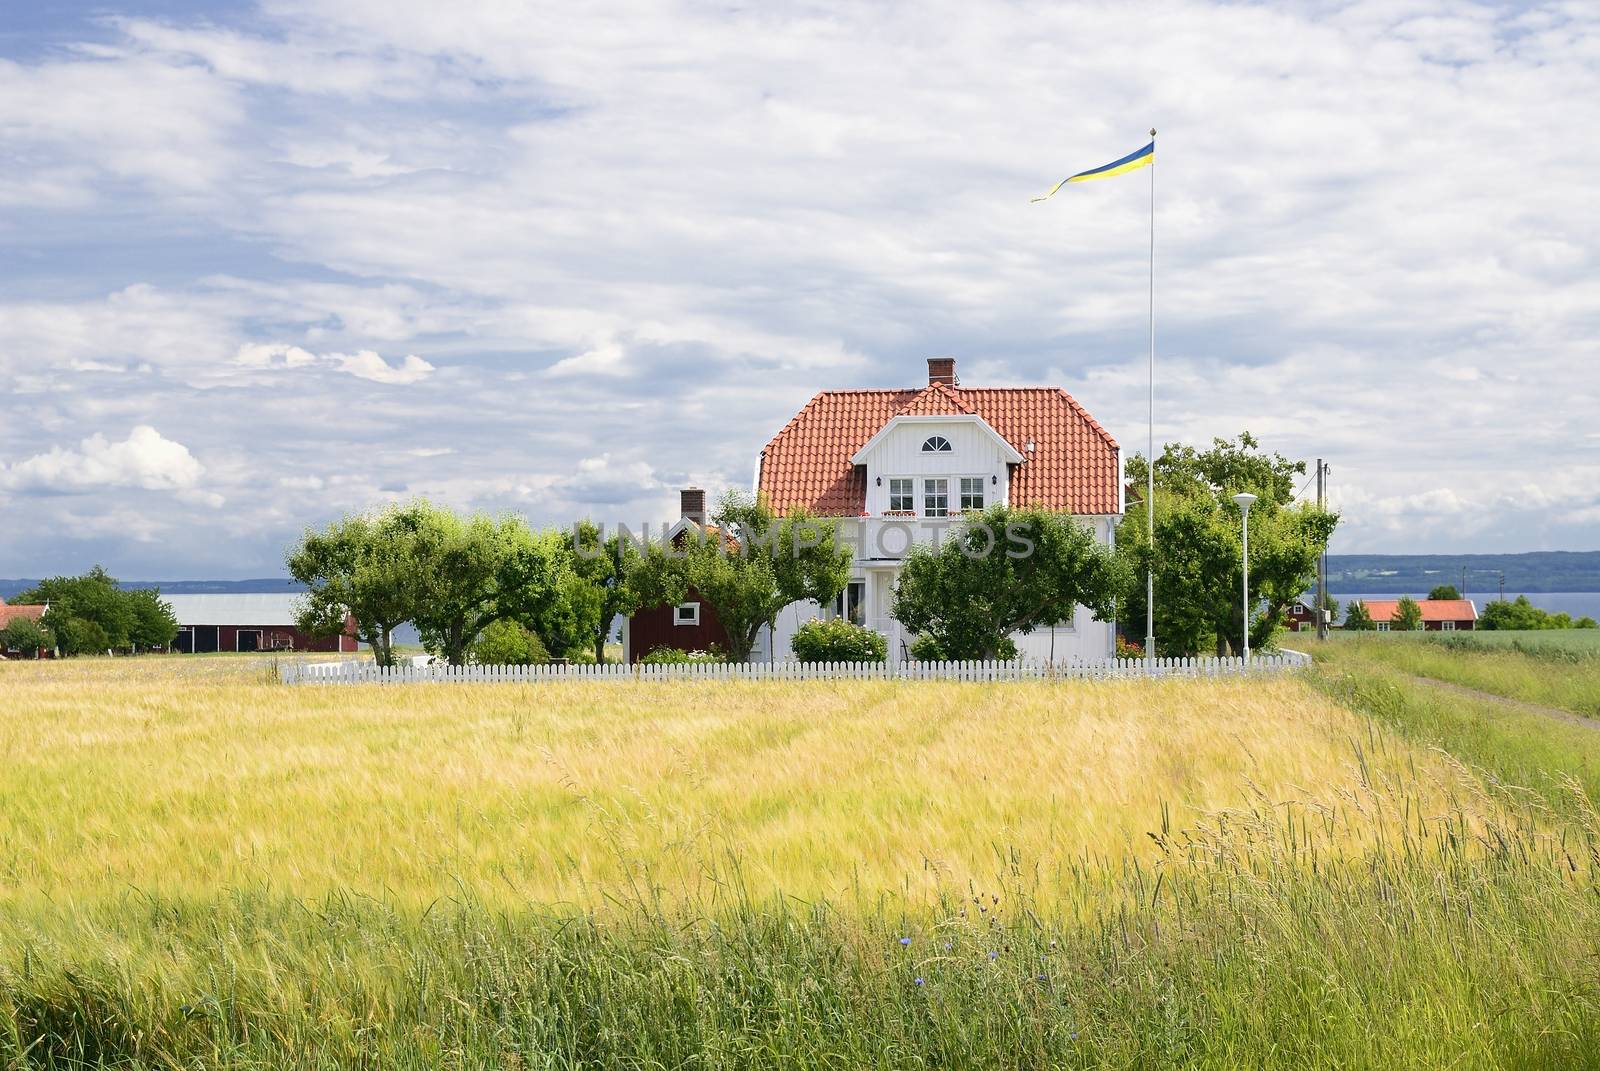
{"x": 904, "y": 941}
{"x": 919, "y": 981}
{"x": 947, "y": 946}
{"x": 992, "y": 953}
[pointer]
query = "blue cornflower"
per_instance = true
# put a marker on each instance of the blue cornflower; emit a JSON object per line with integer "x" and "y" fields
{"x": 919, "y": 981}
{"x": 947, "y": 946}
{"x": 992, "y": 954}
{"x": 904, "y": 941}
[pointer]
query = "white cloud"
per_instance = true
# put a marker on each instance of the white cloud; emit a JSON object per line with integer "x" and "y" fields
{"x": 368, "y": 365}
{"x": 648, "y": 239}
{"x": 145, "y": 460}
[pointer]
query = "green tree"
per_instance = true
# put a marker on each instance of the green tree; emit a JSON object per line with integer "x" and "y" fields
{"x": 508, "y": 643}
{"x": 154, "y": 625}
{"x": 91, "y": 599}
{"x": 25, "y": 636}
{"x": 1444, "y": 593}
{"x": 749, "y": 566}
{"x": 1357, "y": 619}
{"x": 1004, "y": 571}
{"x": 370, "y": 567}
{"x": 1197, "y": 561}
{"x": 473, "y": 572}
{"x": 1407, "y": 615}
{"x": 603, "y": 566}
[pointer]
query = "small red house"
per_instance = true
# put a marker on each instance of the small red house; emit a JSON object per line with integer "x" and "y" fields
{"x": 31, "y": 612}
{"x": 1438, "y": 615}
{"x": 692, "y": 624}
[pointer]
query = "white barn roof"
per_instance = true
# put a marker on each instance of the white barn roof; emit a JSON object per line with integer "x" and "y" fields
{"x": 264, "y": 609}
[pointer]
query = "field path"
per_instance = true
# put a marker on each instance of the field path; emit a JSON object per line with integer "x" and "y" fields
{"x": 1519, "y": 704}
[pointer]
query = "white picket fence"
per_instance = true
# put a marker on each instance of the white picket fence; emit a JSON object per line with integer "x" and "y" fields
{"x": 1100, "y": 669}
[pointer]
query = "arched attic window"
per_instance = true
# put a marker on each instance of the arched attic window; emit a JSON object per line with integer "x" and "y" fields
{"x": 936, "y": 444}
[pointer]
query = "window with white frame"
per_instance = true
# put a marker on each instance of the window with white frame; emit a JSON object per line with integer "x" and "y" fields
{"x": 936, "y": 444}
{"x": 902, "y": 496}
{"x": 1383, "y": 626}
{"x": 936, "y": 498}
{"x": 1447, "y": 626}
{"x": 686, "y": 613}
{"x": 851, "y": 602}
{"x": 971, "y": 493}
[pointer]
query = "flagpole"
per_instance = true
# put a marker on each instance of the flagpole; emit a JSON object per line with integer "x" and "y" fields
{"x": 1150, "y": 456}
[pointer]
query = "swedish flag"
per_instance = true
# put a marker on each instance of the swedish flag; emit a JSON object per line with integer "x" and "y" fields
{"x": 1132, "y": 162}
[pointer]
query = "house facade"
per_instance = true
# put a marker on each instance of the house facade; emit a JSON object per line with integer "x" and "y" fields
{"x": 252, "y": 622}
{"x": 34, "y": 613}
{"x": 899, "y": 466}
{"x": 1438, "y": 615}
{"x": 690, "y": 625}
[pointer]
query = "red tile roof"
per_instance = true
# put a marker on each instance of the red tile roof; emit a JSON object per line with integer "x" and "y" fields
{"x": 1432, "y": 609}
{"x": 8, "y": 612}
{"x": 1073, "y": 467}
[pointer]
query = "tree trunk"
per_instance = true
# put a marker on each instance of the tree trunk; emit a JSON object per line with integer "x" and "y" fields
{"x": 600, "y": 639}
{"x": 739, "y": 645}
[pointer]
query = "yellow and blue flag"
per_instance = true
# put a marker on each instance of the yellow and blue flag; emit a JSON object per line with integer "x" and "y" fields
{"x": 1132, "y": 162}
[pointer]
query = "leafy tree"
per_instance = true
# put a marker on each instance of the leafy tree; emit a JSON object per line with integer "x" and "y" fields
{"x": 508, "y": 643}
{"x": 1585, "y": 622}
{"x": 1444, "y": 593}
{"x": 603, "y": 565}
{"x": 91, "y": 599}
{"x": 80, "y": 636}
{"x": 838, "y": 641}
{"x": 154, "y": 625}
{"x": 473, "y": 572}
{"x": 1004, "y": 571}
{"x": 927, "y": 648}
{"x": 1357, "y": 619}
{"x": 1521, "y": 614}
{"x": 370, "y": 567}
{"x": 1198, "y": 553}
{"x": 1407, "y": 615}
{"x": 1331, "y": 604}
{"x": 25, "y": 636}
{"x": 748, "y": 567}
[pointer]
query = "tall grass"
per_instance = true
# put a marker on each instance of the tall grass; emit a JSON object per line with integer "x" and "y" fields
{"x": 1462, "y": 938}
{"x": 216, "y": 872}
{"x": 1558, "y": 675}
{"x": 182, "y": 785}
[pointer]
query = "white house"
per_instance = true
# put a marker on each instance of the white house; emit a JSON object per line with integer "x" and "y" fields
{"x": 898, "y": 464}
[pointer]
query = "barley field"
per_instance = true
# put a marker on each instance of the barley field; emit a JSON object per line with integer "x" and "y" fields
{"x": 202, "y": 868}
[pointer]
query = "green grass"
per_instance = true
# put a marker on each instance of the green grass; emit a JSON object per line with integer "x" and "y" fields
{"x": 1108, "y": 875}
{"x": 1513, "y": 746}
{"x": 1558, "y": 672}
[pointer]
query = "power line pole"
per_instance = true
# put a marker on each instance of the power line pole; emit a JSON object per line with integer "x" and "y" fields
{"x": 1322, "y": 564}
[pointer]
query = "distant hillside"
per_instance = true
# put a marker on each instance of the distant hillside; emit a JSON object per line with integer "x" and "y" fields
{"x": 262, "y": 585}
{"x": 1550, "y": 570}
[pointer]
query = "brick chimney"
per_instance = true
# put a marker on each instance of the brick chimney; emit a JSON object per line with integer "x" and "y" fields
{"x": 942, "y": 370}
{"x": 692, "y": 503}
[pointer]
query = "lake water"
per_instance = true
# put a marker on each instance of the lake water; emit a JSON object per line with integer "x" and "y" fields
{"x": 1576, "y": 603}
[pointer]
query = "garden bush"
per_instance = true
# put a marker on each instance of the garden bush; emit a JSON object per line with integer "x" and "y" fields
{"x": 838, "y": 641}
{"x": 508, "y": 643}
{"x": 671, "y": 656}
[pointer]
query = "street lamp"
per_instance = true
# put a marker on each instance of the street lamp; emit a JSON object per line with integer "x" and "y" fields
{"x": 1244, "y": 501}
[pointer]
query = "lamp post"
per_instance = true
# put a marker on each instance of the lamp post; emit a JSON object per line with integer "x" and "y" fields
{"x": 1244, "y": 501}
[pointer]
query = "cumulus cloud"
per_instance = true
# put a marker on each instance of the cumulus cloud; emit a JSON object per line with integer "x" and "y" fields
{"x": 145, "y": 459}
{"x": 368, "y": 365}
{"x": 639, "y": 245}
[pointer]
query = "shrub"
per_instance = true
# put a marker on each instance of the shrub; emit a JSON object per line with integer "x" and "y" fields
{"x": 838, "y": 641}
{"x": 671, "y": 656}
{"x": 927, "y": 649}
{"x": 508, "y": 643}
{"x": 1127, "y": 648}
{"x": 79, "y": 636}
{"x": 25, "y": 636}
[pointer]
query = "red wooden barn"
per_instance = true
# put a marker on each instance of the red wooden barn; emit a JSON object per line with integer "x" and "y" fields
{"x": 690, "y": 625}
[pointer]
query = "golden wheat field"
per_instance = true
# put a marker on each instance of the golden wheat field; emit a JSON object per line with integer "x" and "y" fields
{"x": 187, "y": 777}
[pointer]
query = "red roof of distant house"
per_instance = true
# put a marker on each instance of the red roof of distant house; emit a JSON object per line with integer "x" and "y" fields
{"x": 7, "y": 613}
{"x": 1073, "y": 466}
{"x": 1432, "y": 609}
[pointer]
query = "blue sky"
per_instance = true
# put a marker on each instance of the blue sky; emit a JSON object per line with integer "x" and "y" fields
{"x": 269, "y": 263}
